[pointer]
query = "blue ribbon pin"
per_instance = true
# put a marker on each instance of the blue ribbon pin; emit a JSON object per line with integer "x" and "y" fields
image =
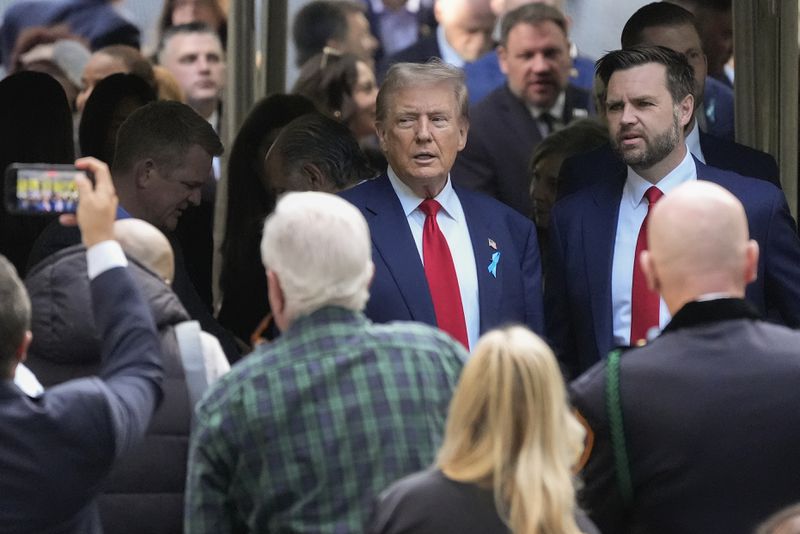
{"x": 493, "y": 264}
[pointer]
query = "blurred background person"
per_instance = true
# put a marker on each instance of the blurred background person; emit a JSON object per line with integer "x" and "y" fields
{"x": 398, "y": 24}
{"x": 112, "y": 60}
{"x": 100, "y": 22}
{"x": 579, "y": 136}
{"x": 167, "y": 86}
{"x": 242, "y": 281}
{"x": 463, "y": 34}
{"x": 36, "y": 128}
{"x": 212, "y": 13}
{"x": 311, "y": 153}
{"x": 54, "y": 51}
{"x": 343, "y": 87}
{"x": 338, "y": 24}
{"x": 509, "y": 448}
{"x": 111, "y": 102}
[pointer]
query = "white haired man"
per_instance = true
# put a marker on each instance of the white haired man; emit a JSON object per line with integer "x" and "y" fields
{"x": 304, "y": 433}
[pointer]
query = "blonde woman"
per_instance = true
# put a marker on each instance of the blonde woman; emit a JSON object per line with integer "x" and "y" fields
{"x": 509, "y": 448}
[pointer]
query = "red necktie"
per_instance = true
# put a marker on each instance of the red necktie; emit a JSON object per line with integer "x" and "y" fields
{"x": 441, "y": 275}
{"x": 645, "y": 304}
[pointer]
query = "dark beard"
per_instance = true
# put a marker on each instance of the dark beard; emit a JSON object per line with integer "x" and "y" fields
{"x": 654, "y": 151}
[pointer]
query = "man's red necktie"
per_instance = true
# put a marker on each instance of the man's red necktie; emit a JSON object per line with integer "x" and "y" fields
{"x": 441, "y": 275}
{"x": 645, "y": 304}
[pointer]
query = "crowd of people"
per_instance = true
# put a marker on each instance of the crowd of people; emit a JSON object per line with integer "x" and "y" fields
{"x": 471, "y": 280}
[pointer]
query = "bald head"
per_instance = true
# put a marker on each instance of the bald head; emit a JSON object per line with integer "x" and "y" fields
{"x": 146, "y": 244}
{"x": 698, "y": 244}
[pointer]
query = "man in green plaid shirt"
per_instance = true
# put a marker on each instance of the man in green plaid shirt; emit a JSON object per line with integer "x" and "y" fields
{"x": 304, "y": 433}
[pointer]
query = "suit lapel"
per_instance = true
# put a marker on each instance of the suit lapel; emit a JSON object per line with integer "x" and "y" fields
{"x": 599, "y": 234}
{"x": 393, "y": 242}
{"x": 480, "y": 231}
{"x": 518, "y": 118}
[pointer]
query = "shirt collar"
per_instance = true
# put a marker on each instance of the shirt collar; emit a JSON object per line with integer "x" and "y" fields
{"x": 636, "y": 186}
{"x": 449, "y": 54}
{"x": 410, "y": 201}
{"x": 693, "y": 142}
{"x": 556, "y": 110}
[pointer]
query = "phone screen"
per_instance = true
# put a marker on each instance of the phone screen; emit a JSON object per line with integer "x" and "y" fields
{"x": 43, "y": 190}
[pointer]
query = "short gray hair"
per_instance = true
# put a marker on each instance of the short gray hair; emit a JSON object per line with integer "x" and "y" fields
{"x": 319, "y": 246}
{"x": 402, "y": 75}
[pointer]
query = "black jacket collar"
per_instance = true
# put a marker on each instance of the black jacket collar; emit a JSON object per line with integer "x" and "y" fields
{"x": 698, "y": 313}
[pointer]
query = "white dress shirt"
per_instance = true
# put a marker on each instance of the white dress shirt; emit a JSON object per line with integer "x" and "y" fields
{"x": 556, "y": 111}
{"x": 632, "y": 211}
{"x": 453, "y": 224}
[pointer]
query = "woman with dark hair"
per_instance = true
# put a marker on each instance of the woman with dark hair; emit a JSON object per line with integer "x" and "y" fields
{"x": 111, "y": 102}
{"x": 242, "y": 279}
{"x": 343, "y": 87}
{"x": 36, "y": 128}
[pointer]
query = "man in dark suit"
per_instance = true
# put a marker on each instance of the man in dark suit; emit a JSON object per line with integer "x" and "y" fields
{"x": 56, "y": 449}
{"x": 669, "y": 25}
{"x": 708, "y": 409}
{"x": 443, "y": 255}
{"x": 162, "y": 161}
{"x": 463, "y": 34}
{"x": 594, "y": 294}
{"x": 514, "y": 118}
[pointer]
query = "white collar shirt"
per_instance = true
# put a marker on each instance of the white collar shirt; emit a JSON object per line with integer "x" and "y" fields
{"x": 453, "y": 224}
{"x": 632, "y": 211}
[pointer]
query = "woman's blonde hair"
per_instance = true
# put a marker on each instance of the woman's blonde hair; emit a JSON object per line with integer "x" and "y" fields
{"x": 510, "y": 427}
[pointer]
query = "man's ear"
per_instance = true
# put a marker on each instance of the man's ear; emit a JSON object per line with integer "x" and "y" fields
{"x": 277, "y": 300}
{"x": 502, "y": 55}
{"x": 22, "y": 351}
{"x": 144, "y": 173}
{"x": 317, "y": 181}
{"x": 20, "y": 355}
{"x": 751, "y": 261}
{"x": 649, "y": 270}
{"x": 686, "y": 110}
{"x": 381, "y": 135}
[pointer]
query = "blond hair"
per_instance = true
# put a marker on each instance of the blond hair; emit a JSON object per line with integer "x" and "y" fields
{"x": 510, "y": 427}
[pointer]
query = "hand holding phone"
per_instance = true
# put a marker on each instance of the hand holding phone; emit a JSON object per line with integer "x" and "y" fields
{"x": 42, "y": 189}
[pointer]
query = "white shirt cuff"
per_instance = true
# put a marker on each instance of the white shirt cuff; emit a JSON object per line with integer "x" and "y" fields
{"x": 104, "y": 256}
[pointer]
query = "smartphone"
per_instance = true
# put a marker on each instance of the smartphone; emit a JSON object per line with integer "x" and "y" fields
{"x": 41, "y": 188}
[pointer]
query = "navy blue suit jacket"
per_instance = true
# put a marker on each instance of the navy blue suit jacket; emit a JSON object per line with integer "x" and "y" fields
{"x": 584, "y": 169}
{"x": 57, "y": 449}
{"x": 399, "y": 290}
{"x": 582, "y": 235}
{"x": 500, "y": 144}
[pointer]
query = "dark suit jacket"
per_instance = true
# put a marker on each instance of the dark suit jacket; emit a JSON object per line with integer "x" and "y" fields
{"x": 711, "y": 426}
{"x": 500, "y": 144}
{"x": 419, "y": 52}
{"x": 55, "y": 450}
{"x": 399, "y": 291}
{"x": 584, "y": 169}
{"x": 582, "y": 235}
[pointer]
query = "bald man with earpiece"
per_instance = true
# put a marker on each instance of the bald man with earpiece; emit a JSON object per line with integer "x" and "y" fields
{"x": 704, "y": 418}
